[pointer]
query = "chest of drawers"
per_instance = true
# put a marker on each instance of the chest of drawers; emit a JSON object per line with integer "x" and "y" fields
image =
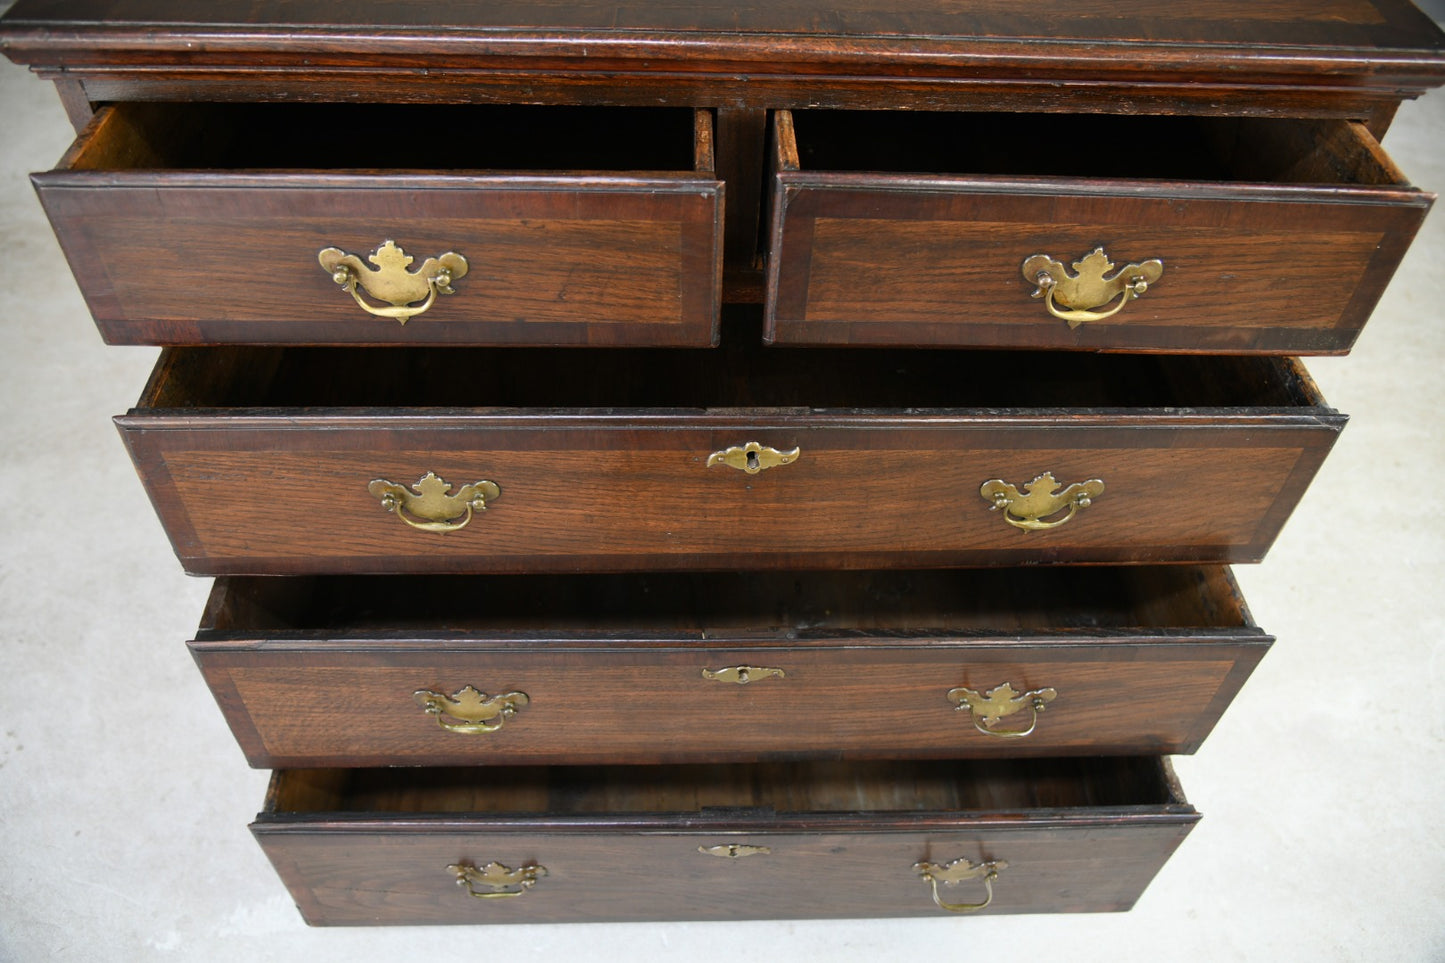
{"x": 694, "y": 632}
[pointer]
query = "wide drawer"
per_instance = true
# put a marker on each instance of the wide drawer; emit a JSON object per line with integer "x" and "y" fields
{"x": 188, "y": 224}
{"x": 286, "y": 461}
{"x": 442, "y": 670}
{"x": 1039, "y": 231}
{"x": 564, "y": 844}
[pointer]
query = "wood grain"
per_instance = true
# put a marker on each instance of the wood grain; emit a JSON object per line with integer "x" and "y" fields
{"x": 1285, "y": 255}
{"x": 247, "y": 491}
{"x": 1352, "y": 60}
{"x": 867, "y": 660}
{"x": 389, "y": 865}
{"x": 1219, "y": 37}
{"x": 171, "y": 255}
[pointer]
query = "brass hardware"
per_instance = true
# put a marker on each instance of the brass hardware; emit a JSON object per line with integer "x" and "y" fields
{"x": 497, "y": 878}
{"x": 735, "y": 850}
{"x": 742, "y": 674}
{"x": 428, "y": 500}
{"x": 987, "y": 709}
{"x": 957, "y": 872}
{"x": 391, "y": 281}
{"x": 1080, "y": 293}
{"x": 477, "y": 711}
{"x": 752, "y": 457}
{"x": 1043, "y": 499}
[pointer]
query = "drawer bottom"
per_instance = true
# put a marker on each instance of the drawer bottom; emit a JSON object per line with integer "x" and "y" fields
{"x": 709, "y": 842}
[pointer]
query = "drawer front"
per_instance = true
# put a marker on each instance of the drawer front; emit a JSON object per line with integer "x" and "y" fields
{"x": 345, "y": 876}
{"x": 374, "y": 701}
{"x": 895, "y": 259}
{"x": 183, "y": 257}
{"x": 268, "y": 495}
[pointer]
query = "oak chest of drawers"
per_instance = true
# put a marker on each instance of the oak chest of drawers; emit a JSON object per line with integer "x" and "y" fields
{"x": 595, "y": 377}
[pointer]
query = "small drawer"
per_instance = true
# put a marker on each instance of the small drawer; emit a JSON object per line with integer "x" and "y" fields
{"x": 1169, "y": 234}
{"x": 444, "y": 670}
{"x": 393, "y": 224}
{"x": 327, "y": 461}
{"x": 721, "y": 842}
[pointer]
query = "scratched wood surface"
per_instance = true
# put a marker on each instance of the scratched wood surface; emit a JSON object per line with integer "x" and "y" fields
{"x": 368, "y": 846}
{"x": 1202, "y": 458}
{"x": 182, "y": 226}
{"x": 1350, "y": 54}
{"x": 1275, "y": 237}
{"x": 322, "y": 673}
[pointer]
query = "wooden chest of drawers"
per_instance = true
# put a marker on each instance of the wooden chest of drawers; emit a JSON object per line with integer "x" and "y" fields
{"x": 686, "y": 532}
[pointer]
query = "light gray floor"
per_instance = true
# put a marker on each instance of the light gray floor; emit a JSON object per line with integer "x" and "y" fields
{"x": 124, "y": 801}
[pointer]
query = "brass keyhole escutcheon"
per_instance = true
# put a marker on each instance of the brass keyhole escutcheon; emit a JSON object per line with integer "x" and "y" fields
{"x": 743, "y": 674}
{"x": 734, "y": 850}
{"x": 752, "y": 457}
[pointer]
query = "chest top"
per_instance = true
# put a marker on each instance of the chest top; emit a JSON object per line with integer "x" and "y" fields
{"x": 934, "y": 53}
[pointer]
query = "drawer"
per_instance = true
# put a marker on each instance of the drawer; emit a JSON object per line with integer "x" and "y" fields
{"x": 1249, "y": 235}
{"x": 443, "y": 670}
{"x": 708, "y": 842}
{"x": 198, "y": 223}
{"x": 291, "y": 461}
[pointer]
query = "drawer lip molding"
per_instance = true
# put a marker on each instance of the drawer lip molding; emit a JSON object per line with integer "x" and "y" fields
{"x": 257, "y": 479}
{"x": 1287, "y": 255}
{"x": 351, "y": 857}
{"x": 175, "y": 243}
{"x": 322, "y": 672}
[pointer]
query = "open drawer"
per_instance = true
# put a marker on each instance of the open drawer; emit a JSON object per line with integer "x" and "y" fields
{"x": 330, "y": 460}
{"x": 198, "y": 223}
{"x": 776, "y": 841}
{"x": 449, "y": 670}
{"x": 1178, "y": 234}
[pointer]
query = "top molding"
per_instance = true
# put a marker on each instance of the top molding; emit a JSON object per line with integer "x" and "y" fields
{"x": 731, "y": 52}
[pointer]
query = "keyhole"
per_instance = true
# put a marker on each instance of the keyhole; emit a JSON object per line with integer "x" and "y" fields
{"x": 752, "y": 461}
{"x": 743, "y": 677}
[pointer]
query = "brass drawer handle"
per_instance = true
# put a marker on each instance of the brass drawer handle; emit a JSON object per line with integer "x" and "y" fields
{"x": 391, "y": 281}
{"x": 989, "y": 707}
{"x": 734, "y": 850}
{"x": 752, "y": 457}
{"x": 956, "y": 872}
{"x": 475, "y": 711}
{"x": 1040, "y": 499}
{"x": 497, "y": 879}
{"x": 428, "y": 500}
{"x": 743, "y": 674}
{"x": 1080, "y": 293}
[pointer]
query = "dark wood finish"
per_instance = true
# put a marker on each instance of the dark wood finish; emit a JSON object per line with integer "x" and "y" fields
{"x": 601, "y": 457}
{"x": 75, "y": 101}
{"x": 1281, "y": 54}
{"x": 182, "y": 226}
{"x": 257, "y": 459}
{"x": 373, "y": 846}
{"x": 741, "y": 135}
{"x": 322, "y": 673}
{"x": 1276, "y": 237}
